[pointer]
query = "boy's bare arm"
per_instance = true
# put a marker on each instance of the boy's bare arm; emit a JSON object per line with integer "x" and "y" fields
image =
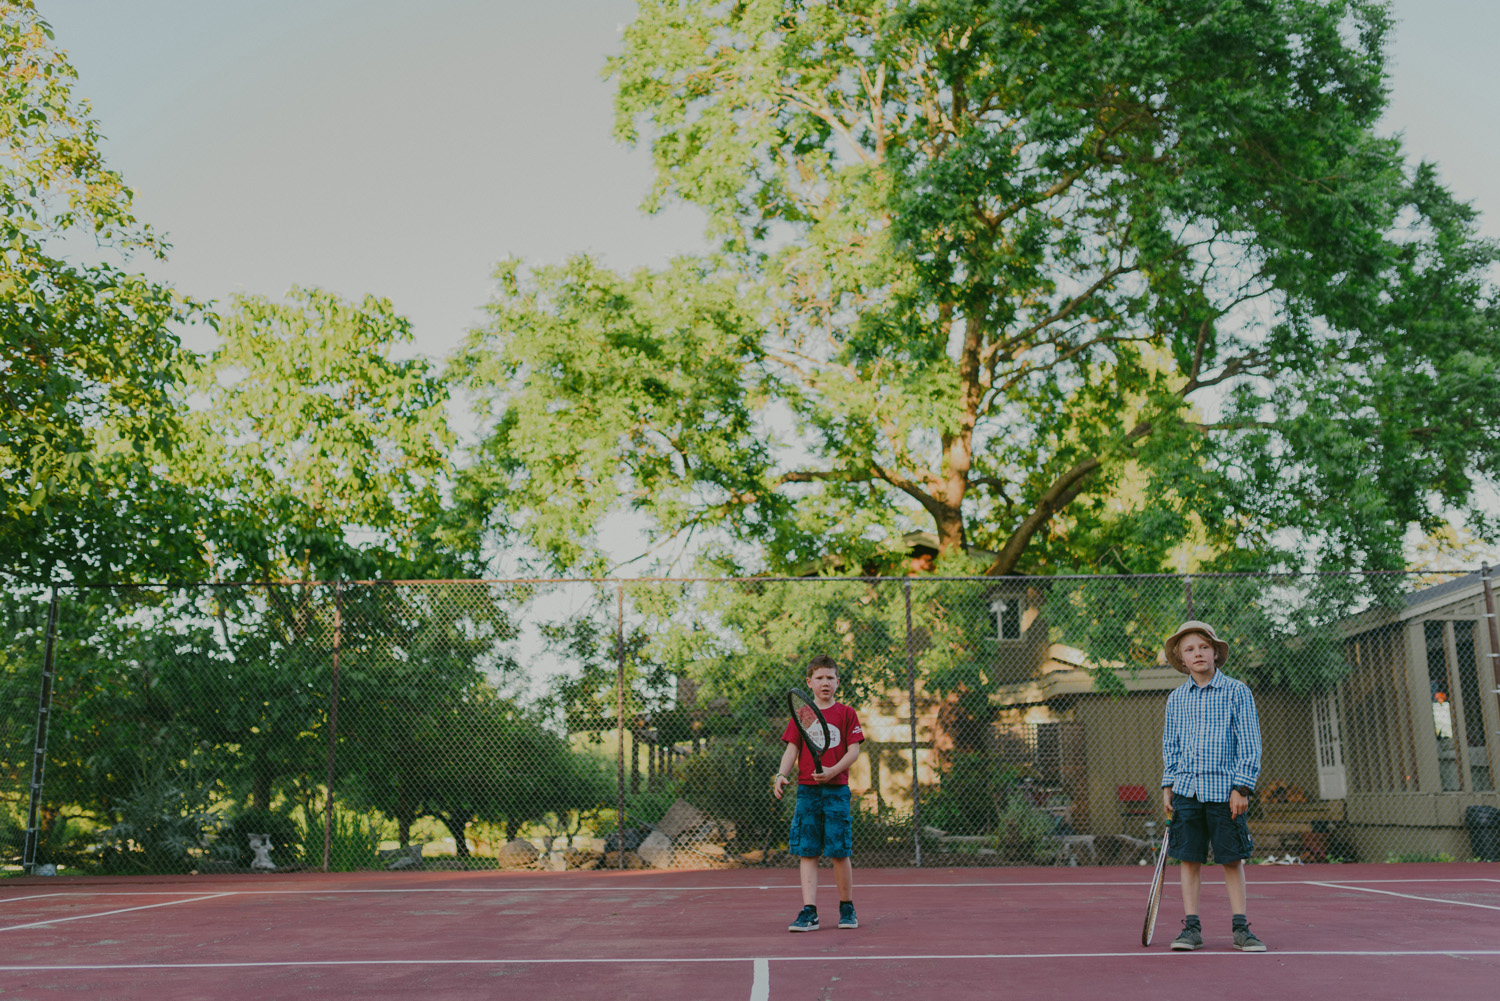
{"x": 783, "y": 778}
{"x": 839, "y": 766}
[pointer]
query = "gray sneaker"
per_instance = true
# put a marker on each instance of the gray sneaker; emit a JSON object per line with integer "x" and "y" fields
{"x": 1245, "y": 940}
{"x": 1190, "y": 938}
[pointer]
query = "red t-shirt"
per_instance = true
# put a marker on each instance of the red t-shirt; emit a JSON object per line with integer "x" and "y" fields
{"x": 843, "y": 727}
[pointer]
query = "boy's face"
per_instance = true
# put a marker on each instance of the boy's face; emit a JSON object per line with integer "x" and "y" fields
{"x": 1197, "y": 655}
{"x": 823, "y": 682}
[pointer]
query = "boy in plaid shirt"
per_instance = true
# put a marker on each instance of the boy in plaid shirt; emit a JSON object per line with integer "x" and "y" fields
{"x": 1210, "y": 750}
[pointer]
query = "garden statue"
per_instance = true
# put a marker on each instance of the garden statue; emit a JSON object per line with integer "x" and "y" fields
{"x": 260, "y": 844}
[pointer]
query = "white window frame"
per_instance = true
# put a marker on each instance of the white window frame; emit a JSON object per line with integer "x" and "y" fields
{"x": 999, "y": 605}
{"x": 1333, "y": 781}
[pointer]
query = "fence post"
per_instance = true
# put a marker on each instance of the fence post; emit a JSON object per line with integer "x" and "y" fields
{"x": 333, "y": 715}
{"x": 1187, "y": 589}
{"x": 39, "y": 757}
{"x": 911, "y": 694}
{"x": 620, "y": 723}
{"x": 1489, "y": 617}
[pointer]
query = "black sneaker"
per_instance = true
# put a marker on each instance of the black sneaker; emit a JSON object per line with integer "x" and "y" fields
{"x": 1245, "y": 940}
{"x": 1190, "y": 938}
{"x": 846, "y": 916}
{"x": 807, "y": 920}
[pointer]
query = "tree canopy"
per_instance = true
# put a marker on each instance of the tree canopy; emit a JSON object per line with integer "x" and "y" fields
{"x": 88, "y": 361}
{"x": 323, "y": 453}
{"x": 1082, "y": 284}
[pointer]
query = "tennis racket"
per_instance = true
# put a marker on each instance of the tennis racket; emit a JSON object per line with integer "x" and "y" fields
{"x": 1153, "y": 902}
{"x": 810, "y": 724}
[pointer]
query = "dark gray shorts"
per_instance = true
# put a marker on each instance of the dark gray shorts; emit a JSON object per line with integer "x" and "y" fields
{"x": 1196, "y": 826}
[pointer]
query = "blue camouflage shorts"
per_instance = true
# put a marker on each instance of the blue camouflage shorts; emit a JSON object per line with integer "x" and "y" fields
{"x": 821, "y": 824}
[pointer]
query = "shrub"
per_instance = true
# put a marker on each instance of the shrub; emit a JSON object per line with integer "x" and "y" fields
{"x": 731, "y": 780}
{"x": 62, "y": 840}
{"x": 12, "y": 838}
{"x": 165, "y": 824}
{"x": 1023, "y": 832}
{"x": 968, "y": 798}
{"x": 883, "y": 838}
{"x": 353, "y": 842}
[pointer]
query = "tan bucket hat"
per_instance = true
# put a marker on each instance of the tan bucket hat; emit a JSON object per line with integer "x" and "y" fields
{"x": 1221, "y": 649}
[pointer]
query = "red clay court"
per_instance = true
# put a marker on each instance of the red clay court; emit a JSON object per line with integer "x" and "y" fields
{"x": 1375, "y": 931}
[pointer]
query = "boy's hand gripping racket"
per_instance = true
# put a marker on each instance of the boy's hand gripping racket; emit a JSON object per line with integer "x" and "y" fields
{"x": 1153, "y": 902}
{"x": 810, "y": 724}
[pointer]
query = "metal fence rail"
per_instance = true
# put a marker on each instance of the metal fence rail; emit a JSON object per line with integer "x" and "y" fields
{"x": 555, "y": 724}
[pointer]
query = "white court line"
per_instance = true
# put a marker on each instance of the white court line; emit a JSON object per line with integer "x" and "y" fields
{"x": 122, "y": 910}
{"x": 1160, "y": 955}
{"x": 1409, "y": 896}
{"x": 606, "y": 888}
{"x": 35, "y": 896}
{"x": 760, "y": 984}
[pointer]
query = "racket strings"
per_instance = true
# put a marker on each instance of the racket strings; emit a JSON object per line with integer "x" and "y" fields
{"x": 809, "y": 720}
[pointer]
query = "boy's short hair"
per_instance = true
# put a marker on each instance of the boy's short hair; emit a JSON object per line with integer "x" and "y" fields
{"x": 822, "y": 660}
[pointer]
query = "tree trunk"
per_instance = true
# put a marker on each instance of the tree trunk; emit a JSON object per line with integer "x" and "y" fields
{"x": 456, "y": 825}
{"x": 635, "y": 761}
{"x": 950, "y": 528}
{"x": 405, "y": 815}
{"x": 260, "y": 786}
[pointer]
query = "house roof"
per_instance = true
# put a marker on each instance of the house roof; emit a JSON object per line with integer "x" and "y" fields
{"x": 1064, "y": 672}
{"x": 1457, "y": 587}
{"x": 1415, "y": 604}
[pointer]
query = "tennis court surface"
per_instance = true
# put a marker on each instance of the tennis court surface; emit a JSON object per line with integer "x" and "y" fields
{"x": 1375, "y": 931}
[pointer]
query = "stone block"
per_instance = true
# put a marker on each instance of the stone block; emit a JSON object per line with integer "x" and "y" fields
{"x": 656, "y": 850}
{"x": 517, "y": 853}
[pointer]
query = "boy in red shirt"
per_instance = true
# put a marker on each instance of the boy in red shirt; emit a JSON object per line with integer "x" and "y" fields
{"x": 821, "y": 822}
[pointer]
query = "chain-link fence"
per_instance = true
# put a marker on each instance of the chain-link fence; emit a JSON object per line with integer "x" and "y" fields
{"x": 567, "y": 724}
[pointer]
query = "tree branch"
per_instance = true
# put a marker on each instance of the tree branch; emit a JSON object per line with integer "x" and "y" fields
{"x": 1063, "y": 491}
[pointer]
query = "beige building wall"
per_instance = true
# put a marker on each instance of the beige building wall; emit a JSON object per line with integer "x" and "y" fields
{"x": 1122, "y": 736}
{"x": 1289, "y": 755}
{"x": 1397, "y": 804}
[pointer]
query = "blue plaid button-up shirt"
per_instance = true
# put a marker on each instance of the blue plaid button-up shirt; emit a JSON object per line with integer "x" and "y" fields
{"x": 1211, "y": 739}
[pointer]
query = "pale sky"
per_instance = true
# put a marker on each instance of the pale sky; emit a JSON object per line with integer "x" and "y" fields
{"x": 402, "y": 149}
{"x": 367, "y": 145}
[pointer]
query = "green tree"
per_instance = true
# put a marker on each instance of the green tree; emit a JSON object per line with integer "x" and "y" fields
{"x": 319, "y": 455}
{"x": 89, "y": 364}
{"x": 1077, "y": 282}
{"x": 489, "y": 758}
{"x": 1286, "y": 631}
{"x": 414, "y": 658}
{"x": 325, "y": 454}
{"x": 597, "y": 391}
{"x": 311, "y": 452}
{"x": 589, "y": 700}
